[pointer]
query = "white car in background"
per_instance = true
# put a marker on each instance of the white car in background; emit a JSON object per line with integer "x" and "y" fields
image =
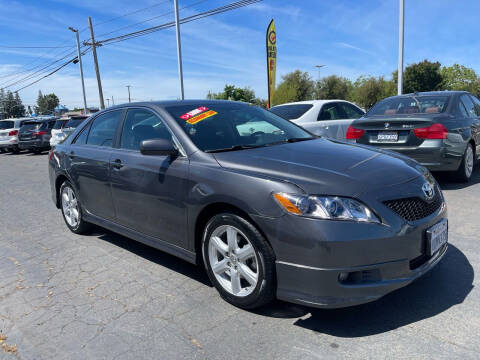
{"x": 329, "y": 118}
{"x": 9, "y": 134}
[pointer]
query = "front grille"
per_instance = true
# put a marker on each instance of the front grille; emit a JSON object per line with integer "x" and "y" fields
{"x": 415, "y": 208}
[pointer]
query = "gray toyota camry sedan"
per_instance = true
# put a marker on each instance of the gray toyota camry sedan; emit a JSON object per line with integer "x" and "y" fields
{"x": 269, "y": 209}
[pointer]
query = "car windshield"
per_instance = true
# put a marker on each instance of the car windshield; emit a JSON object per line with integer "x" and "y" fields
{"x": 73, "y": 123}
{"x": 6, "y": 125}
{"x": 291, "y": 112}
{"x": 215, "y": 127}
{"x": 414, "y": 104}
{"x": 59, "y": 124}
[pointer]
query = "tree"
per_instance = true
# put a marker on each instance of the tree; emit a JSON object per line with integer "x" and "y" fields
{"x": 46, "y": 103}
{"x": 422, "y": 76}
{"x": 367, "y": 91}
{"x": 459, "y": 77}
{"x": 230, "y": 92}
{"x": 333, "y": 87}
{"x": 19, "y": 109}
{"x": 295, "y": 86}
{"x": 2, "y": 104}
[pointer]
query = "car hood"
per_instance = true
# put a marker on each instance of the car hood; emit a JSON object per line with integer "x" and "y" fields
{"x": 323, "y": 166}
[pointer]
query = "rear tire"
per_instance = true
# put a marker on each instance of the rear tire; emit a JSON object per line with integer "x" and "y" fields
{"x": 72, "y": 209}
{"x": 243, "y": 260}
{"x": 465, "y": 170}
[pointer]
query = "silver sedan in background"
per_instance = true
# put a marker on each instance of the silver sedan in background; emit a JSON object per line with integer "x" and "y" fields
{"x": 329, "y": 118}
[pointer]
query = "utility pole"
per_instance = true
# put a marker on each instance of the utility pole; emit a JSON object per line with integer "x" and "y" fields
{"x": 113, "y": 102}
{"x": 319, "y": 67}
{"x": 179, "y": 50}
{"x": 108, "y": 102}
{"x": 79, "y": 54}
{"x": 128, "y": 87}
{"x": 401, "y": 23}
{"x": 95, "y": 61}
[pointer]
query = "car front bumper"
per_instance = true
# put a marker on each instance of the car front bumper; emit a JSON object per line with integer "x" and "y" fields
{"x": 378, "y": 259}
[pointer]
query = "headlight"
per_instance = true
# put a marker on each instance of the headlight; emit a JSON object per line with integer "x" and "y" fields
{"x": 326, "y": 207}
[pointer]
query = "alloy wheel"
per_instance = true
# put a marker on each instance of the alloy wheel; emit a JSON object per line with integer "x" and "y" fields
{"x": 233, "y": 260}
{"x": 469, "y": 161}
{"x": 70, "y": 207}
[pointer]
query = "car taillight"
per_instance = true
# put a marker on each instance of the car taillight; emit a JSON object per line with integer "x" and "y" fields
{"x": 50, "y": 155}
{"x": 13, "y": 133}
{"x": 39, "y": 133}
{"x": 435, "y": 131}
{"x": 353, "y": 133}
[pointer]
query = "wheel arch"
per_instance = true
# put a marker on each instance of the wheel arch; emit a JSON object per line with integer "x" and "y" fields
{"x": 210, "y": 211}
{"x": 58, "y": 183}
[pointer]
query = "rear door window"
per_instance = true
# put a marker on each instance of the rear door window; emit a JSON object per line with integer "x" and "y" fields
{"x": 476, "y": 105}
{"x": 102, "y": 130}
{"x": 468, "y": 105}
{"x": 351, "y": 111}
{"x": 331, "y": 111}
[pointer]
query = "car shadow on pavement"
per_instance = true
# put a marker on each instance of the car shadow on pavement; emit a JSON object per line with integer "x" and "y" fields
{"x": 448, "y": 284}
{"x": 159, "y": 257}
{"x": 447, "y": 183}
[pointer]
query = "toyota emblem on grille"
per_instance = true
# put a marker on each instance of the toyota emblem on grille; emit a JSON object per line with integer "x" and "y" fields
{"x": 428, "y": 191}
{"x": 387, "y": 125}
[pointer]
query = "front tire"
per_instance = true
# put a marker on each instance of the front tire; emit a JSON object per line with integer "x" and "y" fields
{"x": 464, "y": 172}
{"x": 72, "y": 209}
{"x": 239, "y": 261}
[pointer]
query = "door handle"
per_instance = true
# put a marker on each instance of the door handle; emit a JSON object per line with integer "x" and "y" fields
{"x": 117, "y": 164}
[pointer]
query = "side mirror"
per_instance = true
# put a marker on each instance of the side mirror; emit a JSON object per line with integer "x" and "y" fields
{"x": 158, "y": 147}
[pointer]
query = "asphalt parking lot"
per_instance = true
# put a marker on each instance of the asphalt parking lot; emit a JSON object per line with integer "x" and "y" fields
{"x": 64, "y": 296}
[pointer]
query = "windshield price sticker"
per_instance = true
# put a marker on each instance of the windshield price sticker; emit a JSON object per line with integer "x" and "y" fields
{"x": 196, "y": 115}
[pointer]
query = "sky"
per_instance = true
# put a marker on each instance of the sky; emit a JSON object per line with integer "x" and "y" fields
{"x": 350, "y": 37}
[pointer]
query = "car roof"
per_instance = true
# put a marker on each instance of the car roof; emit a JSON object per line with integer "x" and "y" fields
{"x": 313, "y": 102}
{"x": 165, "y": 103}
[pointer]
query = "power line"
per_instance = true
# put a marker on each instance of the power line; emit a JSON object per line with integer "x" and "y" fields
{"x": 15, "y": 74}
{"x": 32, "y": 47}
{"x": 219, "y": 10}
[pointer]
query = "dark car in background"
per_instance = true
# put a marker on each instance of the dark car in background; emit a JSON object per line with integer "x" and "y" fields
{"x": 35, "y": 135}
{"x": 441, "y": 130}
{"x": 272, "y": 212}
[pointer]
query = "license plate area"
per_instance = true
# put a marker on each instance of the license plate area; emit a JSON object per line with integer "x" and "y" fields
{"x": 387, "y": 136}
{"x": 437, "y": 236}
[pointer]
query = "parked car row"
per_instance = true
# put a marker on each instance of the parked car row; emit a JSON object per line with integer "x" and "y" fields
{"x": 269, "y": 209}
{"x": 35, "y": 134}
{"x": 441, "y": 130}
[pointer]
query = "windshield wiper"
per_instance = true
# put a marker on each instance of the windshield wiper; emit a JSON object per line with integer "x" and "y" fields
{"x": 292, "y": 140}
{"x": 234, "y": 148}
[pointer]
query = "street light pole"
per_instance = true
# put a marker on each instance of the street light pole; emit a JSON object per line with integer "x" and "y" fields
{"x": 128, "y": 87}
{"x": 179, "y": 50}
{"x": 401, "y": 23}
{"x": 108, "y": 102}
{"x": 79, "y": 54}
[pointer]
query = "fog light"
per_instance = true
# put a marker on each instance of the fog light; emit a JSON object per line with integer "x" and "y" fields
{"x": 342, "y": 276}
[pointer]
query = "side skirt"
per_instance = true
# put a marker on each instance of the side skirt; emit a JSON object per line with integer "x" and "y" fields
{"x": 144, "y": 239}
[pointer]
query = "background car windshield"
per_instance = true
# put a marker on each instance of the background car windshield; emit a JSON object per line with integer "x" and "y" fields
{"x": 6, "y": 125}
{"x": 215, "y": 126}
{"x": 73, "y": 123}
{"x": 59, "y": 124}
{"x": 291, "y": 112}
{"x": 410, "y": 105}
